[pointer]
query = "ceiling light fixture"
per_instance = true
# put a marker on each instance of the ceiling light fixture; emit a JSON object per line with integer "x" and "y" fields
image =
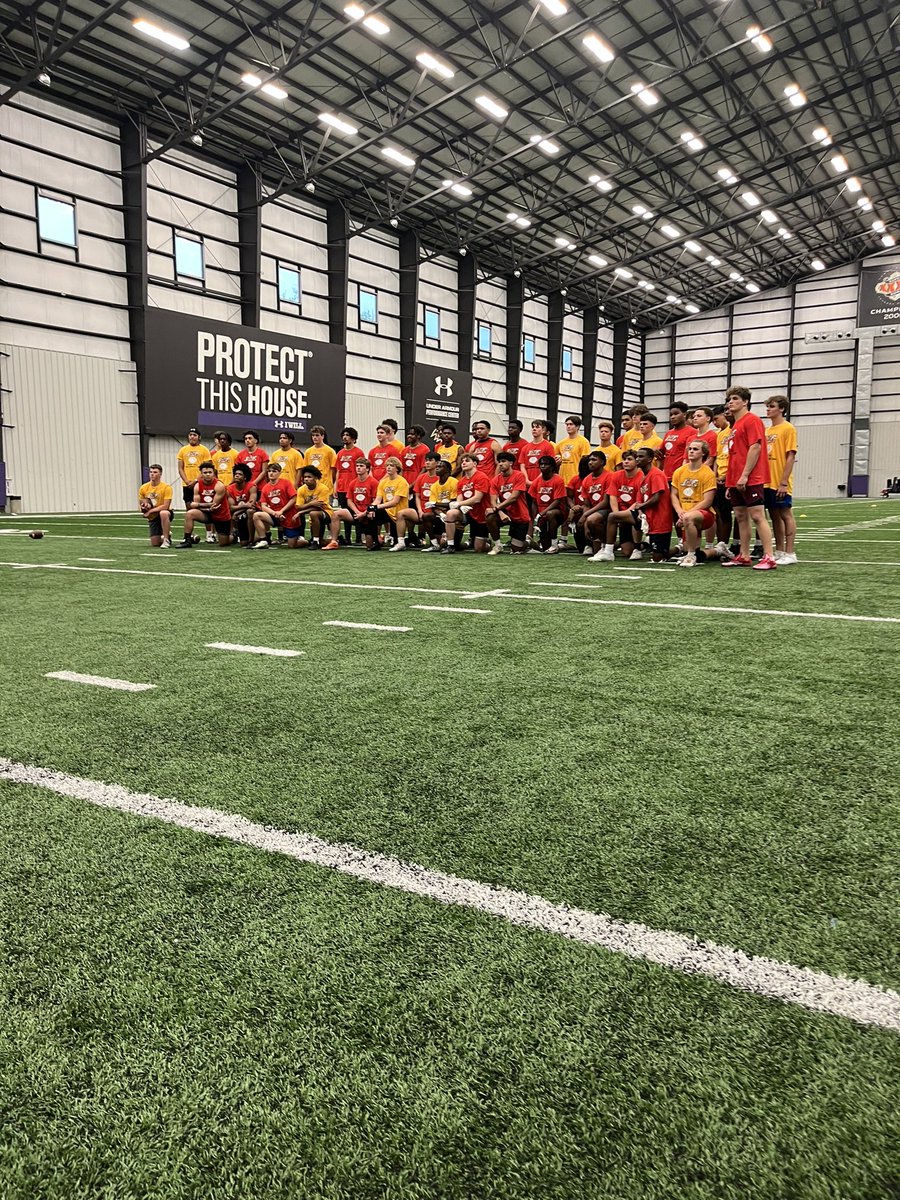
{"x": 853, "y": 184}
{"x": 760, "y": 40}
{"x": 670, "y": 299}
{"x": 692, "y": 141}
{"x": 645, "y": 94}
{"x": 428, "y": 62}
{"x": 624, "y": 273}
{"x": 197, "y": 138}
{"x": 888, "y": 240}
{"x": 822, "y": 136}
{"x": 600, "y": 50}
{"x": 752, "y": 287}
{"x": 750, "y": 199}
{"x": 270, "y": 89}
{"x": 459, "y": 188}
{"x": 338, "y": 123}
{"x": 354, "y": 11}
{"x": 556, "y": 8}
{"x": 640, "y": 211}
{"x": 784, "y": 232}
{"x": 736, "y": 276}
{"x": 648, "y": 287}
{"x": 694, "y": 247}
{"x": 670, "y": 231}
{"x": 565, "y": 243}
{"x": 713, "y": 261}
{"x": 817, "y": 264}
{"x": 878, "y": 226}
{"x": 601, "y": 184}
{"x": 397, "y": 156}
{"x": 518, "y": 219}
{"x": 493, "y": 107}
{"x": 545, "y": 144}
{"x": 376, "y": 25}
{"x": 691, "y": 308}
{"x": 597, "y": 261}
{"x": 839, "y": 163}
{"x": 794, "y": 95}
{"x": 768, "y": 216}
{"x": 166, "y": 36}
{"x": 865, "y": 204}
{"x": 727, "y": 175}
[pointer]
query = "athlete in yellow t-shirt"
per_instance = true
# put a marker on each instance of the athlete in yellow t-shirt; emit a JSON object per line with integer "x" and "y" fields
{"x": 223, "y": 457}
{"x": 647, "y": 435}
{"x": 449, "y": 448}
{"x": 313, "y": 500}
{"x": 608, "y": 447}
{"x": 288, "y": 458}
{"x": 781, "y": 439}
{"x": 572, "y": 449}
{"x": 392, "y": 495}
{"x": 155, "y": 503}
{"x": 693, "y": 499}
{"x": 190, "y": 459}
{"x": 321, "y": 456}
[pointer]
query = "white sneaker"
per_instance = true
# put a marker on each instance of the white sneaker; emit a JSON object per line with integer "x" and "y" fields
{"x": 787, "y": 560}
{"x": 603, "y": 556}
{"x": 166, "y": 544}
{"x": 562, "y": 543}
{"x": 495, "y": 549}
{"x": 397, "y": 546}
{"x": 722, "y": 550}
{"x": 689, "y": 560}
{"x": 263, "y": 545}
{"x": 587, "y": 552}
{"x": 636, "y": 556}
{"x": 211, "y": 539}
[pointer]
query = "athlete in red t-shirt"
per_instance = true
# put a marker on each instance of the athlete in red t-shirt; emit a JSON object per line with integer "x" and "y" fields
{"x": 412, "y": 460}
{"x": 484, "y": 447}
{"x": 255, "y": 458}
{"x": 673, "y": 450}
{"x": 509, "y": 488}
{"x": 470, "y": 507}
{"x": 415, "y": 514}
{"x": 745, "y": 478}
{"x": 360, "y": 495}
{"x": 654, "y": 506}
{"x": 623, "y": 492}
{"x": 344, "y": 463}
{"x": 591, "y": 511}
{"x": 530, "y": 455}
{"x": 242, "y": 503}
{"x": 277, "y": 502}
{"x": 379, "y": 454}
{"x": 210, "y": 505}
{"x": 516, "y": 443}
{"x": 549, "y": 495}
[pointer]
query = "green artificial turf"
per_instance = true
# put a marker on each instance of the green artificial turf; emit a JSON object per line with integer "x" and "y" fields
{"x": 729, "y": 775}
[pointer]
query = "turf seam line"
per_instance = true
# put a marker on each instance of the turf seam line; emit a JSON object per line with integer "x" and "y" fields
{"x": 117, "y": 685}
{"x": 837, "y": 995}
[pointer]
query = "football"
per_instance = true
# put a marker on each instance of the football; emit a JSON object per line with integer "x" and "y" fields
{"x": 36, "y": 533}
{"x": 146, "y": 506}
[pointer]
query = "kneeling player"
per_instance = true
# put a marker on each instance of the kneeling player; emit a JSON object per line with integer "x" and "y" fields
{"x": 359, "y": 496}
{"x": 654, "y": 506}
{"x": 472, "y": 499}
{"x": 242, "y": 502}
{"x": 593, "y": 510}
{"x": 622, "y": 490}
{"x": 210, "y": 505}
{"x": 693, "y": 498}
{"x": 509, "y": 491}
{"x": 277, "y": 507}
{"x": 440, "y": 497}
{"x": 314, "y": 500}
{"x": 155, "y": 501}
{"x": 417, "y": 512}
{"x": 548, "y": 492}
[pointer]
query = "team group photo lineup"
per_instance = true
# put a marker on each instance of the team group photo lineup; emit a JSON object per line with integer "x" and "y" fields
{"x": 708, "y": 485}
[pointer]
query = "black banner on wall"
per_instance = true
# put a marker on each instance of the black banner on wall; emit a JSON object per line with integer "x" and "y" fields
{"x": 220, "y": 376}
{"x": 879, "y": 294}
{"x": 442, "y": 395}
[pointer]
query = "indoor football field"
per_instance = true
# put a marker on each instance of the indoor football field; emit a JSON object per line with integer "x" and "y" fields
{"x": 513, "y": 878}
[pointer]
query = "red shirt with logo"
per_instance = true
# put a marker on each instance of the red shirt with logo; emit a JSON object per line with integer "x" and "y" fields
{"x": 206, "y": 494}
{"x": 277, "y": 495}
{"x": 256, "y": 460}
{"x": 515, "y": 481}
{"x": 362, "y": 492}
{"x": 674, "y": 448}
{"x": 422, "y": 489}
{"x": 413, "y": 460}
{"x": 345, "y": 467}
{"x": 484, "y": 452}
{"x": 467, "y": 486}
{"x": 747, "y": 431}
{"x": 378, "y": 457}
{"x": 545, "y": 491}
{"x": 238, "y": 495}
{"x": 593, "y": 489}
{"x": 515, "y": 448}
{"x": 659, "y": 516}
{"x": 528, "y": 458}
{"x": 624, "y": 489}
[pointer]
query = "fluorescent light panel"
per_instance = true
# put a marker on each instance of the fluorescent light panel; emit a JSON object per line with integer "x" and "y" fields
{"x": 338, "y": 123}
{"x": 428, "y": 62}
{"x": 597, "y": 261}
{"x": 544, "y": 144}
{"x": 398, "y": 156}
{"x": 166, "y": 36}
{"x": 601, "y": 184}
{"x": 601, "y": 50}
{"x": 645, "y": 94}
{"x": 493, "y": 107}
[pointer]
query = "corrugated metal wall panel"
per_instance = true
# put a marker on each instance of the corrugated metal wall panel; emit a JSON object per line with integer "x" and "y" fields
{"x": 823, "y": 457}
{"x": 72, "y": 445}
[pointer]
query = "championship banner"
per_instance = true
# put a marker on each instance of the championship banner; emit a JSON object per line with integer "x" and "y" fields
{"x": 441, "y": 395}
{"x": 220, "y": 376}
{"x": 879, "y": 294}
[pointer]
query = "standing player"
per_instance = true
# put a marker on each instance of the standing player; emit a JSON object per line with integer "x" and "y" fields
{"x": 693, "y": 498}
{"x": 255, "y": 458}
{"x": 507, "y": 505}
{"x": 648, "y": 438}
{"x": 393, "y": 427}
{"x": 414, "y": 454}
{"x": 724, "y": 511}
{"x": 746, "y": 477}
{"x": 223, "y": 457}
{"x": 654, "y": 507}
{"x": 470, "y": 508}
{"x": 537, "y": 448}
{"x": 702, "y": 420}
{"x": 622, "y": 489}
{"x": 484, "y": 447}
{"x": 277, "y": 506}
{"x": 781, "y": 439}
{"x": 209, "y": 505}
{"x": 288, "y": 458}
{"x": 673, "y": 450}
{"x": 569, "y": 453}
{"x": 632, "y": 436}
{"x": 449, "y": 448}
{"x": 607, "y": 447}
{"x": 360, "y": 495}
{"x": 242, "y": 503}
{"x": 381, "y": 452}
{"x": 345, "y": 472}
{"x": 551, "y": 506}
{"x": 515, "y": 443}
{"x": 155, "y": 503}
{"x": 321, "y": 456}
{"x": 189, "y": 459}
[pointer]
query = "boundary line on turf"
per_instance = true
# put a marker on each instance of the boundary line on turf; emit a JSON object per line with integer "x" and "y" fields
{"x": 837, "y": 995}
{"x": 366, "y": 625}
{"x": 445, "y": 608}
{"x": 117, "y": 685}
{"x": 386, "y": 587}
{"x": 236, "y": 646}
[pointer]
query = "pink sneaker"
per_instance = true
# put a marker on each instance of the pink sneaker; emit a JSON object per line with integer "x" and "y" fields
{"x": 331, "y": 546}
{"x": 766, "y": 563}
{"x": 738, "y": 561}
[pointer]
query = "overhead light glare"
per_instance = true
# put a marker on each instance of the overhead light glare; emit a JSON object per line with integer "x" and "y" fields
{"x": 459, "y": 188}
{"x": 794, "y": 95}
{"x": 878, "y": 226}
{"x": 691, "y": 308}
{"x": 822, "y": 135}
{"x": 354, "y": 11}
{"x": 640, "y": 210}
{"x": 692, "y": 141}
{"x": 338, "y": 123}
{"x": 727, "y": 175}
{"x": 564, "y": 243}
{"x": 398, "y": 156}
{"x": 556, "y": 8}
{"x": 376, "y": 25}
{"x": 600, "y": 49}
{"x": 713, "y": 261}
{"x": 768, "y": 216}
{"x": 853, "y": 184}
{"x": 601, "y": 184}
{"x": 624, "y": 273}
{"x": 760, "y": 40}
{"x": 865, "y": 204}
{"x": 888, "y": 240}
{"x": 750, "y": 199}
{"x": 645, "y": 94}
{"x": 670, "y": 231}
{"x": 736, "y": 276}
{"x": 270, "y": 89}
{"x": 670, "y": 299}
{"x": 784, "y": 232}
{"x": 752, "y": 287}
{"x": 428, "y": 62}
{"x": 694, "y": 247}
{"x": 647, "y": 286}
{"x": 597, "y": 261}
{"x": 518, "y": 219}
{"x": 817, "y": 264}
{"x": 166, "y": 36}
{"x": 544, "y": 144}
{"x": 493, "y": 107}
{"x": 839, "y": 163}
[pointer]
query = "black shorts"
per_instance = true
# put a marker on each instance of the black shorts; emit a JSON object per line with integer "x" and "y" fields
{"x": 722, "y": 504}
{"x": 478, "y": 528}
{"x": 242, "y": 527}
{"x": 518, "y": 530}
{"x": 342, "y": 500}
{"x": 660, "y": 542}
{"x": 156, "y": 529}
{"x": 773, "y": 500}
{"x": 219, "y": 526}
{"x": 187, "y": 494}
{"x": 629, "y": 533}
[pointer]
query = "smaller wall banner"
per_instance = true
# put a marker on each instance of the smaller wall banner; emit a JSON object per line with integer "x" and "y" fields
{"x": 442, "y": 395}
{"x": 216, "y": 375}
{"x": 879, "y": 294}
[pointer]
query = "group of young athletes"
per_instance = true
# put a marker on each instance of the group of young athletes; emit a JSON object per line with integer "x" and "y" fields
{"x": 713, "y": 477}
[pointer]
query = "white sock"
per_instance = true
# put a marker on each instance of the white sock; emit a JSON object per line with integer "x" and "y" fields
{"x": 609, "y": 546}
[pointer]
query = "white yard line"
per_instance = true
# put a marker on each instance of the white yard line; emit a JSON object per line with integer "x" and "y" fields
{"x": 365, "y": 625}
{"x": 383, "y": 587}
{"x": 591, "y": 587}
{"x": 103, "y": 560}
{"x": 608, "y": 578}
{"x": 816, "y": 991}
{"x": 270, "y": 650}
{"x": 844, "y": 562}
{"x": 445, "y": 608}
{"x": 117, "y": 685}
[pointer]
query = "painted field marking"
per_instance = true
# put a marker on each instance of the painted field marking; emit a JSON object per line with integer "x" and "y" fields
{"x": 96, "y": 560}
{"x": 816, "y": 991}
{"x": 844, "y": 562}
{"x": 384, "y": 587}
{"x": 117, "y": 685}
{"x": 446, "y": 608}
{"x": 159, "y": 554}
{"x": 589, "y": 586}
{"x": 365, "y": 625}
{"x": 255, "y": 649}
{"x": 482, "y": 595}
{"x": 204, "y": 550}
{"x": 608, "y": 578}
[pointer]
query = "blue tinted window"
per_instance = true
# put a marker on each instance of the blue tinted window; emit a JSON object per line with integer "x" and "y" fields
{"x": 566, "y": 361}
{"x": 432, "y": 324}
{"x": 528, "y": 351}
{"x": 484, "y": 338}
{"x": 288, "y": 284}
{"x": 56, "y": 221}
{"x": 368, "y": 306}
{"x": 189, "y": 257}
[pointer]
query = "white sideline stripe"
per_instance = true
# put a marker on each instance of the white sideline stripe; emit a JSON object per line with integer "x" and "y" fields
{"x": 445, "y": 608}
{"x": 96, "y": 560}
{"x": 838, "y": 995}
{"x": 481, "y": 595}
{"x": 365, "y": 625}
{"x": 845, "y": 562}
{"x": 118, "y": 685}
{"x": 385, "y": 587}
{"x": 209, "y": 550}
{"x": 159, "y": 554}
{"x": 591, "y": 587}
{"x": 255, "y": 649}
{"x": 605, "y": 578}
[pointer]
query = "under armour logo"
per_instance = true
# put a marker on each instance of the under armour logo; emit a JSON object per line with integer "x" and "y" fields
{"x": 443, "y": 385}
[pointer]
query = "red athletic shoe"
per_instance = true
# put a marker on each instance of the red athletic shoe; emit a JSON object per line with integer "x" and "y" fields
{"x": 331, "y": 546}
{"x": 766, "y": 563}
{"x": 739, "y": 560}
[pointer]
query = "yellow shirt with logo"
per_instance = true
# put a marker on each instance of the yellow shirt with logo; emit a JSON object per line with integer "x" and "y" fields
{"x": 781, "y": 440}
{"x": 613, "y": 456}
{"x": 722, "y": 436}
{"x": 156, "y": 493}
{"x": 190, "y": 458}
{"x": 630, "y": 439}
{"x": 223, "y": 461}
{"x": 691, "y": 485}
{"x": 653, "y": 442}
{"x": 571, "y": 451}
{"x": 321, "y": 491}
{"x": 443, "y": 493}
{"x": 449, "y": 454}
{"x": 396, "y": 490}
{"x": 290, "y": 461}
{"x": 324, "y": 458}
